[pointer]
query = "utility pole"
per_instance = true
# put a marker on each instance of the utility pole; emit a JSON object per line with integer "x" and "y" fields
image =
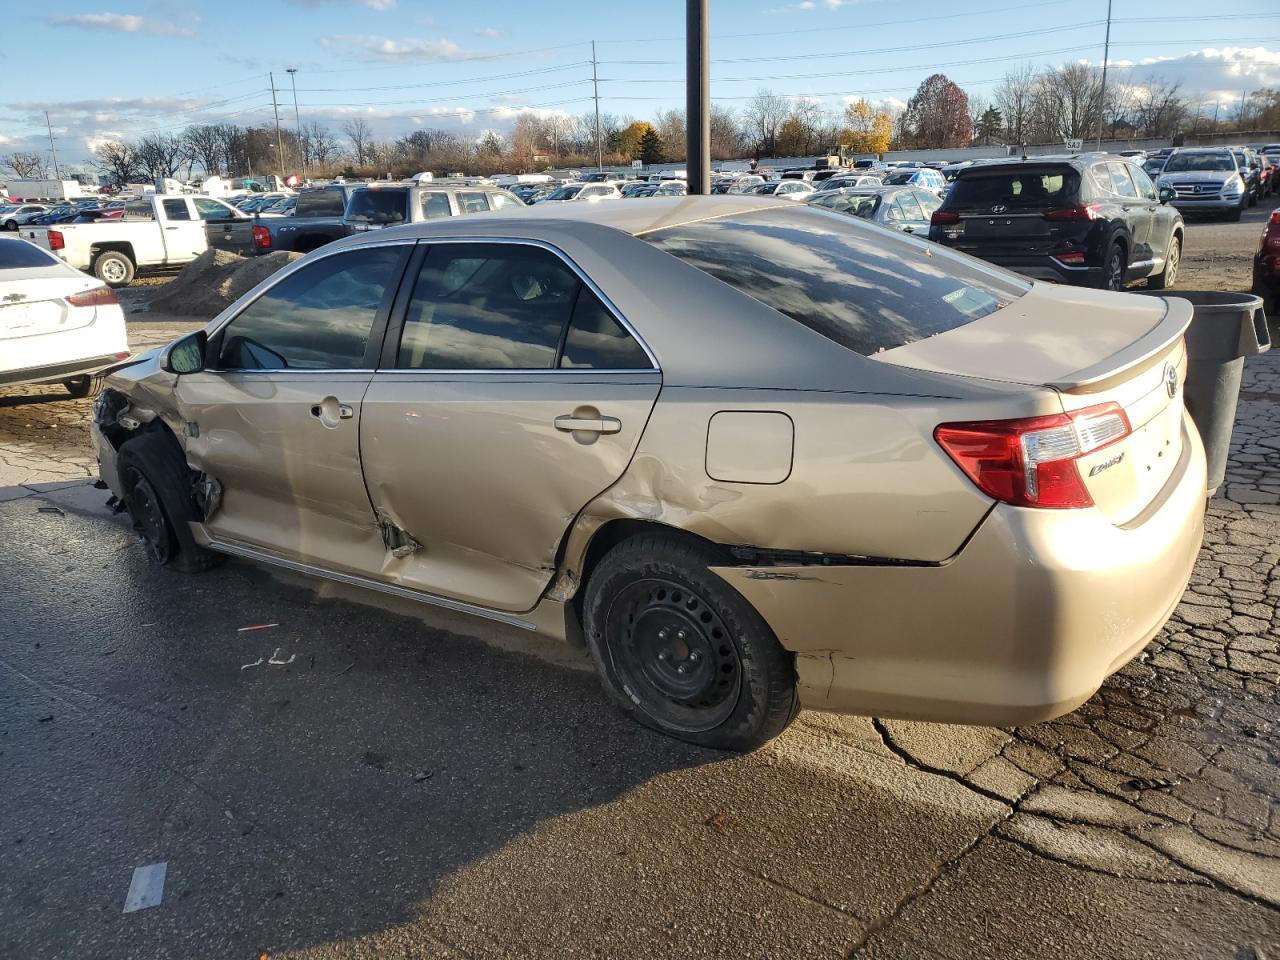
{"x": 1102, "y": 94}
{"x": 1244, "y": 96}
{"x": 297, "y": 119}
{"x": 276, "y": 107}
{"x": 697, "y": 92}
{"x": 56, "y": 172}
{"x": 595, "y": 85}
{"x": 1215, "y": 116}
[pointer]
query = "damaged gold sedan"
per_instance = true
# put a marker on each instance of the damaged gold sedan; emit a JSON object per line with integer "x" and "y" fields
{"x": 755, "y": 456}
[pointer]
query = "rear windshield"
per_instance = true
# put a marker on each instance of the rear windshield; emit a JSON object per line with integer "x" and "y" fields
{"x": 1215, "y": 162}
{"x": 1016, "y": 189}
{"x": 16, "y": 254}
{"x": 866, "y": 288}
{"x": 320, "y": 203}
{"x": 855, "y": 205}
{"x": 378, "y": 206}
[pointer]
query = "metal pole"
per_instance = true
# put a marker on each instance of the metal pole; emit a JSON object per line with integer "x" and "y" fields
{"x": 1244, "y": 95}
{"x": 697, "y": 87}
{"x": 595, "y": 85}
{"x": 276, "y": 107}
{"x": 297, "y": 119}
{"x": 1102, "y": 95}
{"x": 56, "y": 172}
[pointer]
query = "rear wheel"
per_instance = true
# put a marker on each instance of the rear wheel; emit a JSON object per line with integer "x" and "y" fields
{"x": 78, "y": 386}
{"x": 113, "y": 268}
{"x": 157, "y": 486}
{"x": 11, "y": 225}
{"x": 681, "y": 651}
{"x": 1113, "y": 269}
{"x": 1166, "y": 277}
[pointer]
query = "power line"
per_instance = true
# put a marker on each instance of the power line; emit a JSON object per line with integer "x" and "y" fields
{"x": 451, "y": 83}
{"x": 494, "y": 93}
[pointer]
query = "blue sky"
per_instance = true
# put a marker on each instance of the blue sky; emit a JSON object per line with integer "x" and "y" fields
{"x": 108, "y": 68}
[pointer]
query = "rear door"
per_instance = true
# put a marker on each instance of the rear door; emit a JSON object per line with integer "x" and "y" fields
{"x": 1001, "y": 210}
{"x": 1138, "y": 215}
{"x": 225, "y": 227}
{"x": 510, "y": 396}
{"x": 183, "y": 238}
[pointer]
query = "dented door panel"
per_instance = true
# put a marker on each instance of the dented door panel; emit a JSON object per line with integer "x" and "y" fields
{"x": 475, "y": 470}
{"x": 289, "y": 472}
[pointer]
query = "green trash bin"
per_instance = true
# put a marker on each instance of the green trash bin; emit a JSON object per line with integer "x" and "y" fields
{"x": 1225, "y": 328}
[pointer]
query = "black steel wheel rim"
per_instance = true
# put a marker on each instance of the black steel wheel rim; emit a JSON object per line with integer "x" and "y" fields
{"x": 148, "y": 517}
{"x": 673, "y": 654}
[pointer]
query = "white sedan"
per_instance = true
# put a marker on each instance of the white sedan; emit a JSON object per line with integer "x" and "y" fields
{"x": 57, "y": 325}
{"x": 786, "y": 189}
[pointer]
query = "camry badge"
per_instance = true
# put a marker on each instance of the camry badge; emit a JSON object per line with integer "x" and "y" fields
{"x": 999, "y": 208}
{"x": 1171, "y": 380}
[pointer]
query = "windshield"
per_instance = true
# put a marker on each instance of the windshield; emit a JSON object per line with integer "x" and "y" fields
{"x": 565, "y": 193}
{"x": 854, "y": 205}
{"x": 1184, "y": 162}
{"x": 765, "y": 188}
{"x": 1016, "y": 189}
{"x": 900, "y": 177}
{"x": 378, "y": 206}
{"x": 854, "y": 283}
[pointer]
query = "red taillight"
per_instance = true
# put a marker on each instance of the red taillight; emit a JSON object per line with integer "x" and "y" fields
{"x": 55, "y": 240}
{"x": 1031, "y": 462}
{"x": 945, "y": 216}
{"x": 97, "y": 297}
{"x": 1275, "y": 218}
{"x": 261, "y": 238}
{"x": 1072, "y": 257}
{"x": 1082, "y": 211}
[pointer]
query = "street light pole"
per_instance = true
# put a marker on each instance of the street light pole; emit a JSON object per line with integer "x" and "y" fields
{"x": 279, "y": 140}
{"x": 297, "y": 119}
{"x": 595, "y": 91}
{"x": 697, "y": 86}
{"x": 1102, "y": 94}
{"x": 49, "y": 125}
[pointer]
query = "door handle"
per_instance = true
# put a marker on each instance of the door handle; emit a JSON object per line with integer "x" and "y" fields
{"x": 329, "y": 411}
{"x": 571, "y": 424}
{"x": 171, "y": 228}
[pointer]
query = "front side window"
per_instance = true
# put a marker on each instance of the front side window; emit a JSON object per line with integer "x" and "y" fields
{"x": 211, "y": 211}
{"x": 487, "y": 306}
{"x": 318, "y": 318}
{"x": 471, "y": 201}
{"x": 844, "y": 279}
{"x": 138, "y": 210}
{"x": 1140, "y": 179}
{"x": 176, "y": 210}
{"x": 501, "y": 201}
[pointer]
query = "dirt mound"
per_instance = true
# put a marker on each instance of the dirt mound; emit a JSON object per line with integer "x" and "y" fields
{"x": 215, "y": 279}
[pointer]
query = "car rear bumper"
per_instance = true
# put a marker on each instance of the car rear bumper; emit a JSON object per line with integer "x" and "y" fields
{"x": 57, "y": 372}
{"x": 1023, "y": 624}
{"x": 1046, "y": 268}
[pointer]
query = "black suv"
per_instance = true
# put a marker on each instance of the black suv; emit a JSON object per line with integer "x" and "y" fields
{"x": 1091, "y": 219}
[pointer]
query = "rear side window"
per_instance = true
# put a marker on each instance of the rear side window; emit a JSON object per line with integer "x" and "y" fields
{"x": 383, "y": 208}
{"x": 319, "y": 203}
{"x": 1016, "y": 189}
{"x": 596, "y": 340}
{"x": 847, "y": 280}
{"x": 16, "y": 254}
{"x": 318, "y": 318}
{"x": 1121, "y": 182}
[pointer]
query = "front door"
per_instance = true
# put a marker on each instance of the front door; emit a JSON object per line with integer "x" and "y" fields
{"x": 275, "y": 419}
{"x": 510, "y": 398}
{"x": 225, "y": 227}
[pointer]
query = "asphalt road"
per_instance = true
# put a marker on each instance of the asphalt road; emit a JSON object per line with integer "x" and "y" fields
{"x": 411, "y": 783}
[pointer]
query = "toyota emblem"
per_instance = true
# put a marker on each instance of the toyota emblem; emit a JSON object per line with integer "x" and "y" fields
{"x": 1171, "y": 380}
{"x": 999, "y": 208}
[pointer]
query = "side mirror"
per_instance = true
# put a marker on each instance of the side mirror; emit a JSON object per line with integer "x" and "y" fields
{"x": 186, "y": 354}
{"x": 1167, "y": 194}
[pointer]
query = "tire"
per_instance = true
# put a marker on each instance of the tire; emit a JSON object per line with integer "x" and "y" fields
{"x": 1235, "y": 215}
{"x": 681, "y": 651}
{"x": 1167, "y": 277}
{"x": 1113, "y": 266}
{"x": 113, "y": 268}
{"x": 78, "y": 386}
{"x": 10, "y": 225}
{"x": 157, "y": 485}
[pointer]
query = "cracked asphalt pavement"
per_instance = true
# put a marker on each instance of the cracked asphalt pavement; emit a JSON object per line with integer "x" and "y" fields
{"x": 407, "y": 782}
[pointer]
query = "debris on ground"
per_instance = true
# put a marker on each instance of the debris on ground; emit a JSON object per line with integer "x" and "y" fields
{"x": 214, "y": 280}
{"x": 53, "y": 510}
{"x": 274, "y": 660}
{"x": 1148, "y": 783}
{"x": 256, "y": 626}
{"x": 146, "y": 888}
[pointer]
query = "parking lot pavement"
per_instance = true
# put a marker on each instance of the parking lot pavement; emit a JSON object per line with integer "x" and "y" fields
{"x": 358, "y": 781}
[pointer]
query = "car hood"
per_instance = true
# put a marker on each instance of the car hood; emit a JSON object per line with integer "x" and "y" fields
{"x": 1198, "y": 176}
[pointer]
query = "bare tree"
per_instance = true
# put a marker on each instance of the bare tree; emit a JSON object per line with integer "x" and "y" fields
{"x": 671, "y": 131}
{"x": 1158, "y": 107}
{"x": 1066, "y": 102}
{"x": 762, "y": 118}
{"x": 726, "y": 135}
{"x": 27, "y": 165}
{"x": 160, "y": 155}
{"x": 204, "y": 145}
{"x": 118, "y": 161}
{"x": 1015, "y": 98}
{"x": 360, "y": 134}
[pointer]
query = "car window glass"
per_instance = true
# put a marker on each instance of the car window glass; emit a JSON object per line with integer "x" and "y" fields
{"x": 500, "y": 200}
{"x": 317, "y": 318}
{"x": 138, "y": 210}
{"x": 487, "y": 307}
{"x": 598, "y": 341}
{"x": 1140, "y": 179}
{"x": 378, "y": 207}
{"x": 470, "y": 201}
{"x": 435, "y": 204}
{"x": 1027, "y": 189}
{"x": 894, "y": 212}
{"x": 211, "y": 211}
{"x": 1121, "y": 181}
{"x": 847, "y": 280}
{"x": 176, "y": 210}
{"x": 928, "y": 203}
{"x": 910, "y": 208}
{"x": 319, "y": 203}
{"x": 16, "y": 253}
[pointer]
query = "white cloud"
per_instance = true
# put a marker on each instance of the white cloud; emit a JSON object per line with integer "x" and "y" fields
{"x": 121, "y": 23}
{"x": 487, "y": 32}
{"x": 1209, "y": 74}
{"x": 408, "y": 50}
{"x": 382, "y": 5}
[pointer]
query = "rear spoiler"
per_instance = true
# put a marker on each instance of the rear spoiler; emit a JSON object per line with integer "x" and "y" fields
{"x": 1124, "y": 363}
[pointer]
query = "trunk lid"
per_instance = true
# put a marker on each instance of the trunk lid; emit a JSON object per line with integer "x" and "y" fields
{"x": 1092, "y": 348}
{"x": 38, "y": 305}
